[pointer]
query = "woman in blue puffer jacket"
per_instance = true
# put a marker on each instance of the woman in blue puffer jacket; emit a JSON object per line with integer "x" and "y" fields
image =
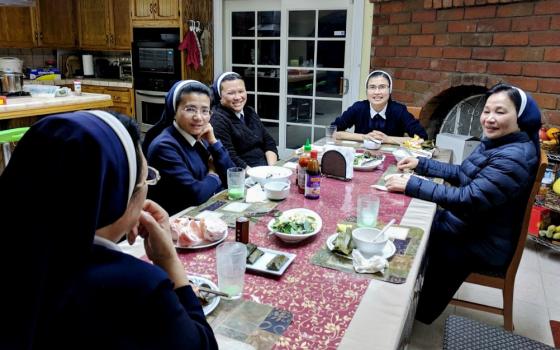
{"x": 477, "y": 224}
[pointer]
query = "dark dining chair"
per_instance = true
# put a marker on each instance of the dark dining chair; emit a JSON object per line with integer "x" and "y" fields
{"x": 506, "y": 281}
{"x": 461, "y": 333}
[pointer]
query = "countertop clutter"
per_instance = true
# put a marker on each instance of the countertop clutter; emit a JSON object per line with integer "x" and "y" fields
{"x": 86, "y": 81}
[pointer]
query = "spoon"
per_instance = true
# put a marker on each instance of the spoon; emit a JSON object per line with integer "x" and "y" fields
{"x": 383, "y": 230}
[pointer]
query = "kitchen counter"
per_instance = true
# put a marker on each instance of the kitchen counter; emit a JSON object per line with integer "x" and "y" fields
{"x": 85, "y": 81}
{"x": 22, "y": 107}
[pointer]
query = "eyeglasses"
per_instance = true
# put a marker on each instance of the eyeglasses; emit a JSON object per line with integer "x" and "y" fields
{"x": 152, "y": 178}
{"x": 191, "y": 111}
{"x": 381, "y": 87}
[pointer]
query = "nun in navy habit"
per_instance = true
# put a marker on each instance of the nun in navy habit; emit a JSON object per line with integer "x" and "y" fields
{"x": 192, "y": 162}
{"x": 476, "y": 227}
{"x": 75, "y": 185}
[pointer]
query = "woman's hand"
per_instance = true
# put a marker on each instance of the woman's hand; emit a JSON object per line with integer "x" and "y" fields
{"x": 207, "y": 133}
{"x": 407, "y": 163}
{"x": 396, "y": 182}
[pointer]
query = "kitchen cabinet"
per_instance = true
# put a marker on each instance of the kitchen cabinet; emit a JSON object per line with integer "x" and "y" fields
{"x": 49, "y": 24}
{"x": 123, "y": 98}
{"x": 104, "y": 24}
{"x": 155, "y": 13}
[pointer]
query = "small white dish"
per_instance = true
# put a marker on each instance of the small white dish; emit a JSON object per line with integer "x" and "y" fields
{"x": 269, "y": 254}
{"x": 402, "y": 153}
{"x": 369, "y": 241}
{"x": 389, "y": 250}
{"x": 276, "y": 190}
{"x": 372, "y": 144}
{"x": 294, "y": 238}
{"x": 215, "y": 300}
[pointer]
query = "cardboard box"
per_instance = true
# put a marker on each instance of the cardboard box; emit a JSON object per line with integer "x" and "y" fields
{"x": 540, "y": 219}
{"x": 461, "y": 145}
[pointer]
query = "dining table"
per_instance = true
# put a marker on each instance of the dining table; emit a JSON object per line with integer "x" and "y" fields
{"x": 330, "y": 306}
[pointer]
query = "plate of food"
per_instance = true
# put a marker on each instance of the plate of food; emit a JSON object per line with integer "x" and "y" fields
{"x": 341, "y": 244}
{"x": 266, "y": 260}
{"x": 194, "y": 233}
{"x": 208, "y": 301}
{"x": 367, "y": 161}
{"x": 295, "y": 225}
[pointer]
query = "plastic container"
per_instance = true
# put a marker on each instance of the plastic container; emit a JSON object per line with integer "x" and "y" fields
{"x": 77, "y": 87}
{"x": 12, "y": 135}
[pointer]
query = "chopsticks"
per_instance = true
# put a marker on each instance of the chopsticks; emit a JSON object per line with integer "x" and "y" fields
{"x": 212, "y": 291}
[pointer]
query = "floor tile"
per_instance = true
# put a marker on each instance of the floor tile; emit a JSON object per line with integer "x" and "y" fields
{"x": 480, "y": 294}
{"x": 551, "y": 285}
{"x": 529, "y": 288}
{"x": 530, "y": 257}
{"x": 554, "y": 313}
{"x": 429, "y": 336}
{"x": 549, "y": 261}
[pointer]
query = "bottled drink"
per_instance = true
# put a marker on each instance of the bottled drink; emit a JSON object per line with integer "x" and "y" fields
{"x": 313, "y": 177}
{"x": 301, "y": 169}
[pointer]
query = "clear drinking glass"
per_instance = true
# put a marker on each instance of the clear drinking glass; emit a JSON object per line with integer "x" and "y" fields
{"x": 230, "y": 263}
{"x": 236, "y": 183}
{"x": 329, "y": 133}
{"x": 368, "y": 208}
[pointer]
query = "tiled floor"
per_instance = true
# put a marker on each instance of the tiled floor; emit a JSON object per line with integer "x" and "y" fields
{"x": 536, "y": 301}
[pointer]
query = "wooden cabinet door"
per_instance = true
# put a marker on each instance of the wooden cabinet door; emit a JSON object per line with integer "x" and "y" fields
{"x": 142, "y": 9}
{"x": 166, "y": 9}
{"x": 55, "y": 23}
{"x": 94, "y": 23}
{"x": 121, "y": 35}
{"x": 17, "y": 27}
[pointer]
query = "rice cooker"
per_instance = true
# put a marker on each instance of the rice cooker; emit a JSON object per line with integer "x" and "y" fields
{"x": 10, "y": 83}
{"x": 11, "y": 65}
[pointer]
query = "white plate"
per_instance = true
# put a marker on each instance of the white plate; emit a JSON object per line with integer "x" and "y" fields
{"x": 289, "y": 238}
{"x": 389, "y": 250}
{"x": 269, "y": 254}
{"x": 370, "y": 166}
{"x": 215, "y": 300}
{"x": 203, "y": 244}
{"x": 266, "y": 173}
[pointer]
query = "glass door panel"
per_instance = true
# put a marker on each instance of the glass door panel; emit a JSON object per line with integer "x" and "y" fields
{"x": 296, "y": 136}
{"x": 269, "y": 52}
{"x": 302, "y": 24}
{"x": 268, "y": 24}
{"x": 329, "y": 84}
{"x": 301, "y": 53}
{"x": 243, "y": 51}
{"x": 243, "y": 24}
{"x": 332, "y": 24}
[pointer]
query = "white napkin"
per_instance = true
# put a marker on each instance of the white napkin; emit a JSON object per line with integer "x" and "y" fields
{"x": 255, "y": 194}
{"x": 371, "y": 265}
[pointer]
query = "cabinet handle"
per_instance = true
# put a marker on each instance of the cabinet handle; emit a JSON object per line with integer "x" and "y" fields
{"x": 155, "y": 8}
{"x": 37, "y": 37}
{"x": 112, "y": 39}
{"x": 152, "y": 7}
{"x": 41, "y": 36}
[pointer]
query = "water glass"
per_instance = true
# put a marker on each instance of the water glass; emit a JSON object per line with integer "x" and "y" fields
{"x": 329, "y": 133}
{"x": 368, "y": 209}
{"x": 230, "y": 262}
{"x": 236, "y": 183}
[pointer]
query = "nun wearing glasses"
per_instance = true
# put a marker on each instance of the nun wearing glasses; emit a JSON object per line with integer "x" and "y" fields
{"x": 480, "y": 212}
{"x": 77, "y": 184}
{"x": 182, "y": 146}
{"x": 378, "y": 117}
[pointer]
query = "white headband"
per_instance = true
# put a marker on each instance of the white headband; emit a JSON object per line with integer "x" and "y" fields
{"x": 387, "y": 76}
{"x": 219, "y": 82}
{"x": 127, "y": 143}
{"x": 177, "y": 89}
{"x": 523, "y": 101}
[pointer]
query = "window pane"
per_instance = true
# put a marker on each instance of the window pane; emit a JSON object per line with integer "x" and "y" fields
{"x": 243, "y": 24}
{"x": 296, "y": 136}
{"x": 268, "y": 23}
{"x": 269, "y": 52}
{"x": 274, "y": 130}
{"x": 328, "y": 84}
{"x": 300, "y": 82}
{"x": 268, "y": 79}
{"x": 268, "y": 107}
{"x": 299, "y": 110}
{"x": 318, "y": 133}
{"x": 330, "y": 54}
{"x": 251, "y": 100}
{"x": 302, "y": 23}
{"x": 300, "y": 53}
{"x": 327, "y": 111}
{"x": 332, "y": 24}
{"x": 243, "y": 51}
{"x": 248, "y": 75}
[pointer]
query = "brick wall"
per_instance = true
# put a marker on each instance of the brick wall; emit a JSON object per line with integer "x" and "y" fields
{"x": 439, "y": 50}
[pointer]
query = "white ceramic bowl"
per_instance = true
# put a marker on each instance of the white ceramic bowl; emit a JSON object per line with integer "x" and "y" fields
{"x": 369, "y": 144}
{"x": 264, "y": 174}
{"x": 401, "y": 154}
{"x": 363, "y": 239}
{"x": 289, "y": 238}
{"x": 277, "y": 190}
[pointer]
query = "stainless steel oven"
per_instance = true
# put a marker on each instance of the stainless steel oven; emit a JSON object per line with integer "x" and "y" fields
{"x": 149, "y": 107}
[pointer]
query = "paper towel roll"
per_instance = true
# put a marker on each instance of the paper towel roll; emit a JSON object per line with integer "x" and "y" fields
{"x": 87, "y": 62}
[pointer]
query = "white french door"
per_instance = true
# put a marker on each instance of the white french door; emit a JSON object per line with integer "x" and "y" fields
{"x": 295, "y": 59}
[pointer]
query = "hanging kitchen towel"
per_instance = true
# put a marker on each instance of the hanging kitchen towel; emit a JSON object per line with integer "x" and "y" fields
{"x": 192, "y": 46}
{"x": 205, "y": 42}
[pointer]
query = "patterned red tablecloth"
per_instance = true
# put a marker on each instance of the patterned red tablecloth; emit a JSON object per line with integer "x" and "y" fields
{"x": 322, "y": 301}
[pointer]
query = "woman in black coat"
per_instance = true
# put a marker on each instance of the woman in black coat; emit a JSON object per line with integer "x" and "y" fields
{"x": 238, "y": 126}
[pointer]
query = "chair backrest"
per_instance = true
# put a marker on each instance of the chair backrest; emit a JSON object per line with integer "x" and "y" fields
{"x": 514, "y": 264}
{"x": 415, "y": 111}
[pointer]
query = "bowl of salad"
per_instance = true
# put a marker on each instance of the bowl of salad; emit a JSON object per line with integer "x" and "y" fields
{"x": 295, "y": 225}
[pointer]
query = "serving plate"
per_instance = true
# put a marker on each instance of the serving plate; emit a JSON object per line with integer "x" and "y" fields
{"x": 293, "y": 238}
{"x": 269, "y": 254}
{"x": 389, "y": 250}
{"x": 371, "y": 165}
{"x": 203, "y": 244}
{"x": 214, "y": 300}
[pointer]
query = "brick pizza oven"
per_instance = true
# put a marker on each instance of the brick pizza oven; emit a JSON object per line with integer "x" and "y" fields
{"x": 443, "y": 51}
